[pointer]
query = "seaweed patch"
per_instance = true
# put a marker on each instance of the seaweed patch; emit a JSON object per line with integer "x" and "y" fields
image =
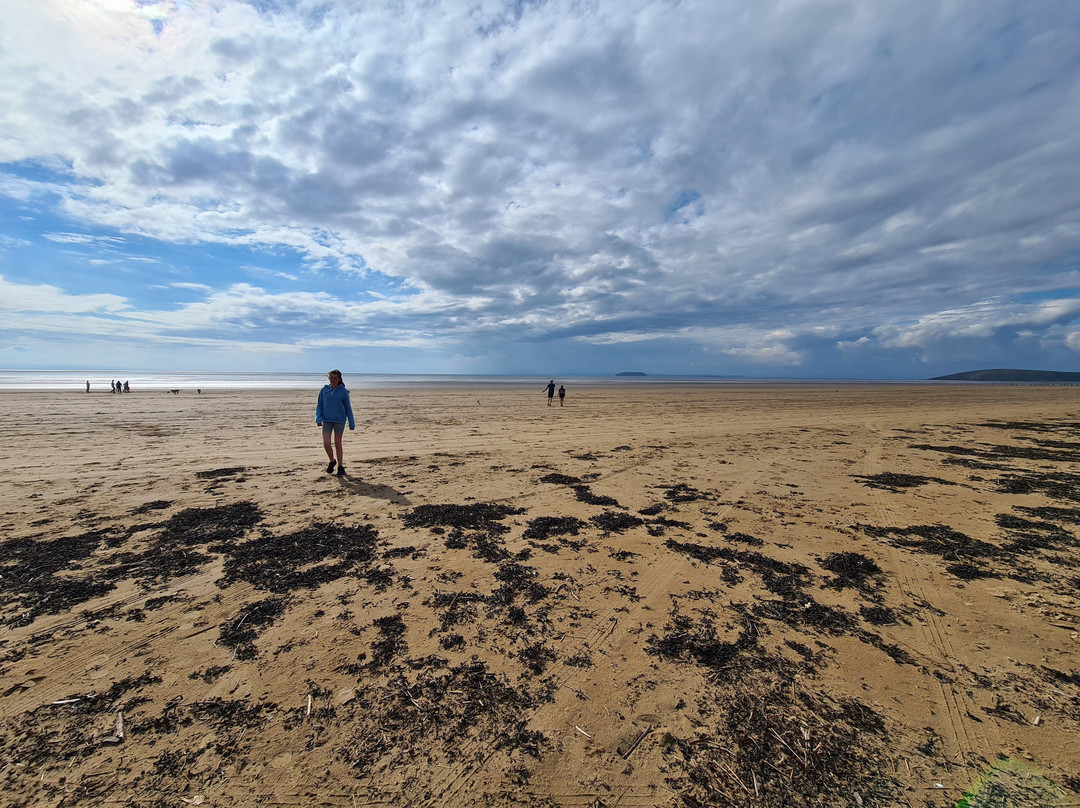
{"x": 479, "y": 516}
{"x": 891, "y": 481}
{"x": 304, "y": 559}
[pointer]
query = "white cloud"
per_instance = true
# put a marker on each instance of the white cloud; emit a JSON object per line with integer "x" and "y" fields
{"x": 775, "y": 354}
{"x": 82, "y": 238}
{"x": 980, "y": 322}
{"x": 607, "y": 173}
{"x": 10, "y": 243}
{"x": 20, "y": 297}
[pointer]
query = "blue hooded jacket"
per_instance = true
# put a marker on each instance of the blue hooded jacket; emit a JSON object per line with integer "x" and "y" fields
{"x": 334, "y": 406}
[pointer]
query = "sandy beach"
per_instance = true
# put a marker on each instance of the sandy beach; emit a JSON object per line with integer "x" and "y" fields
{"x": 760, "y": 595}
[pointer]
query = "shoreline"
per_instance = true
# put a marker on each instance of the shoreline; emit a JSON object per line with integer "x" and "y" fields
{"x": 70, "y": 381}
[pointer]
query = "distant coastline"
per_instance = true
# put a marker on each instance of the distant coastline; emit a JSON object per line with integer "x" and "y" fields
{"x": 1010, "y": 375}
{"x": 189, "y": 381}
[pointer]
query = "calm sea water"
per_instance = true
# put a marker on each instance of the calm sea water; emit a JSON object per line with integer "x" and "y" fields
{"x": 11, "y": 380}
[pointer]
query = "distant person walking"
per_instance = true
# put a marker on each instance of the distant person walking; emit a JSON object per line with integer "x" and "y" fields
{"x": 88, "y": 385}
{"x": 331, "y": 413}
{"x": 562, "y": 395}
{"x": 550, "y": 391}
{"x": 127, "y": 387}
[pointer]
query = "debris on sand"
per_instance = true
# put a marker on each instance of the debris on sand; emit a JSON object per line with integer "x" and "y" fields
{"x": 891, "y": 481}
{"x": 442, "y": 711}
{"x": 240, "y": 632}
{"x": 544, "y": 527}
{"x": 852, "y": 570}
{"x": 303, "y": 559}
{"x": 479, "y": 516}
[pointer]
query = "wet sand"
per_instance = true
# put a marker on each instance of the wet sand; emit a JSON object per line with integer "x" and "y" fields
{"x": 751, "y": 595}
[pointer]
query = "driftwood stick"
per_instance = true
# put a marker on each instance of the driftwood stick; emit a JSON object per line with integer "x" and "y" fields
{"x": 635, "y": 744}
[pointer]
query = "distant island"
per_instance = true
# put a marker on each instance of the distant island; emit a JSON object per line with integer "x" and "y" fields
{"x": 1009, "y": 375}
{"x": 631, "y": 373}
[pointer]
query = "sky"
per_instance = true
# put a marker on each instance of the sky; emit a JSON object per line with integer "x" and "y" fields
{"x": 777, "y": 188}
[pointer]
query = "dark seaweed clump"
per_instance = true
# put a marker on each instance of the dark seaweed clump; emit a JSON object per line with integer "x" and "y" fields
{"x": 193, "y": 527}
{"x": 681, "y": 492}
{"x": 891, "y": 481}
{"x": 486, "y": 545}
{"x": 40, "y": 576}
{"x": 64, "y": 731}
{"x": 698, "y": 641}
{"x": 155, "y": 505}
{"x": 1027, "y": 535}
{"x": 241, "y": 631}
{"x": 173, "y": 552}
{"x": 701, "y": 552}
{"x": 936, "y": 540}
{"x": 560, "y": 479}
{"x": 967, "y": 571}
{"x": 1068, "y": 515}
{"x": 584, "y": 494}
{"x": 613, "y": 522}
{"x": 544, "y": 527}
{"x": 659, "y": 525}
{"x": 793, "y": 605}
{"x": 1058, "y": 485}
{"x": 391, "y": 641}
{"x": 536, "y": 657}
{"x": 852, "y": 570}
{"x": 779, "y": 577}
{"x": 479, "y": 516}
{"x": 970, "y": 559}
{"x": 302, "y": 560}
{"x": 745, "y": 538}
{"x": 517, "y": 580}
{"x": 878, "y": 615}
{"x": 1044, "y": 452}
{"x": 31, "y": 580}
{"x": 213, "y": 474}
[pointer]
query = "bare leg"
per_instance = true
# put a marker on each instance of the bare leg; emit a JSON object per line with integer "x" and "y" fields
{"x": 326, "y": 445}
{"x": 337, "y": 445}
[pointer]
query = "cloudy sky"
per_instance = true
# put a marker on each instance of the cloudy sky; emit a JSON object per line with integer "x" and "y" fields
{"x": 795, "y": 188}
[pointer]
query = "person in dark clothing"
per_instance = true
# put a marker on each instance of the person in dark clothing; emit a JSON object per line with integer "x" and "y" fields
{"x": 550, "y": 391}
{"x": 562, "y": 395}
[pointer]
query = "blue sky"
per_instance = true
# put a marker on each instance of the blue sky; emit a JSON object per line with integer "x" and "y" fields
{"x": 779, "y": 188}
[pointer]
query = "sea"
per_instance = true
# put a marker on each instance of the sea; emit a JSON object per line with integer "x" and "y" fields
{"x": 100, "y": 381}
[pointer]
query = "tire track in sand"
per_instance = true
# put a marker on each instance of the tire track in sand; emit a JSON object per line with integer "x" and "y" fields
{"x": 72, "y": 661}
{"x": 938, "y": 647}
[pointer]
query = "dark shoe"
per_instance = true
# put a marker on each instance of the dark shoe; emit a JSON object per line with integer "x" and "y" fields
{"x": 340, "y": 471}
{"x": 330, "y": 466}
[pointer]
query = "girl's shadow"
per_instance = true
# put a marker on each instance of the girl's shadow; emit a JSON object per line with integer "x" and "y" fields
{"x": 355, "y": 485}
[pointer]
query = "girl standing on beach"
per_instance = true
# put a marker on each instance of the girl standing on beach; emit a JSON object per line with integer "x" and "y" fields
{"x": 331, "y": 413}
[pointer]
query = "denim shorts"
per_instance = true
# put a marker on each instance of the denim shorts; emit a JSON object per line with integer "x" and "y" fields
{"x": 333, "y": 426}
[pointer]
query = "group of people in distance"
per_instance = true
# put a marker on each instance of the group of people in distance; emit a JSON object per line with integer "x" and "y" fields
{"x": 114, "y": 386}
{"x": 551, "y": 392}
{"x": 334, "y": 409}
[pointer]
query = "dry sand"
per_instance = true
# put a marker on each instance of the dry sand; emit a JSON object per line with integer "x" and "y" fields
{"x": 670, "y": 596}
